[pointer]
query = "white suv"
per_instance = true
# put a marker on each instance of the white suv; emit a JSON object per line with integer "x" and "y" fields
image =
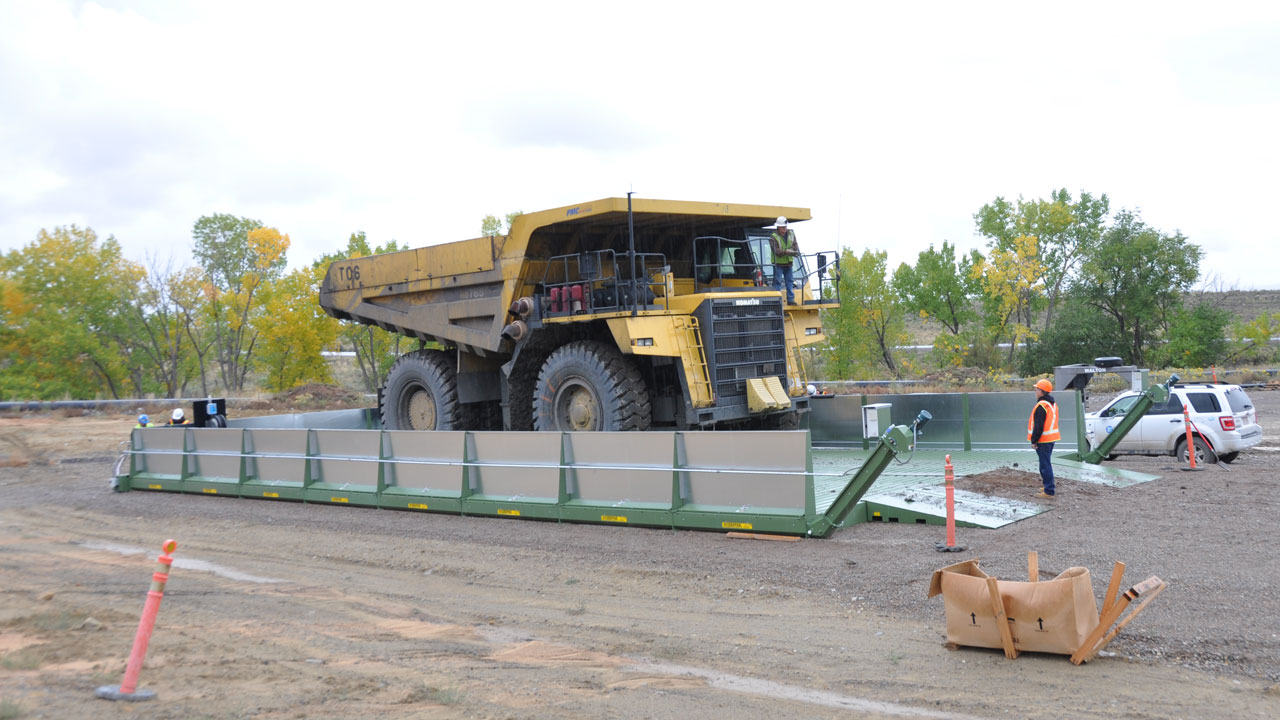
{"x": 1223, "y": 420}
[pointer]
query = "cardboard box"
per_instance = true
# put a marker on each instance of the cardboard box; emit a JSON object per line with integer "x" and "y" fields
{"x": 1052, "y": 616}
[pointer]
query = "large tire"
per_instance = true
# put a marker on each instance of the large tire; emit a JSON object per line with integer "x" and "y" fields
{"x": 422, "y": 393}
{"x": 588, "y": 385}
{"x": 1204, "y": 454}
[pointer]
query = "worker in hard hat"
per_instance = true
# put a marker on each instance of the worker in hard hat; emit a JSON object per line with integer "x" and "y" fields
{"x": 143, "y": 421}
{"x": 1042, "y": 431}
{"x": 178, "y": 418}
{"x": 784, "y": 250}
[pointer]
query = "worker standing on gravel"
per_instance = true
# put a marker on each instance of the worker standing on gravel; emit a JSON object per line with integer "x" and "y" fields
{"x": 784, "y": 249}
{"x": 1042, "y": 431}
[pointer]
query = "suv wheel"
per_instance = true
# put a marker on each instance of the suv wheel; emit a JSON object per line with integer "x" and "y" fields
{"x": 1204, "y": 454}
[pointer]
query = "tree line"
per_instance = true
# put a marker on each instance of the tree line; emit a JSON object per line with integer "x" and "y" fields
{"x": 80, "y": 320}
{"x": 1063, "y": 280}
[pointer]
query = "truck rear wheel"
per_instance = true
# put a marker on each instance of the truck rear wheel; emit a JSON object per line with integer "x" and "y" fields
{"x": 588, "y": 385}
{"x": 421, "y": 393}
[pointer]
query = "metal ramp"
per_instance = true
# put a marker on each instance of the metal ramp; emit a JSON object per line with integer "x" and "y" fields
{"x": 913, "y": 492}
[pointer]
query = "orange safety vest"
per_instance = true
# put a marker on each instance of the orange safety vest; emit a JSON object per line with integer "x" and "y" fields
{"x": 1051, "y": 433}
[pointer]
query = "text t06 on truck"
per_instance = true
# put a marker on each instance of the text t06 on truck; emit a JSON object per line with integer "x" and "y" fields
{"x": 616, "y": 314}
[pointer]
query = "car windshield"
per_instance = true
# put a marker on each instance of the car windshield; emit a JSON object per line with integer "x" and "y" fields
{"x": 1238, "y": 400}
{"x": 1121, "y": 406}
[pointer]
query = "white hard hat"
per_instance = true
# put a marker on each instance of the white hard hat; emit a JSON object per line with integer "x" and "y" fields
{"x": 177, "y": 413}
{"x": 812, "y": 389}
{"x": 782, "y": 221}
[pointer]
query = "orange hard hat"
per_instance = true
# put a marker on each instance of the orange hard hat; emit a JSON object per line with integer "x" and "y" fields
{"x": 1044, "y": 385}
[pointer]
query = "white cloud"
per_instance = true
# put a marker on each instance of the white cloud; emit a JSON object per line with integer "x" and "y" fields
{"x": 413, "y": 120}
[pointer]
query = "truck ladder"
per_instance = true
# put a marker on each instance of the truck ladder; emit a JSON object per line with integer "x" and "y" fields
{"x": 800, "y": 377}
{"x": 694, "y": 356}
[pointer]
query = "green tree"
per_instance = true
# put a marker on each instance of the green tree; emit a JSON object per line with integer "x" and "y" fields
{"x": 376, "y": 349}
{"x": 160, "y": 336}
{"x": 1253, "y": 338}
{"x": 1137, "y": 276}
{"x": 65, "y": 324}
{"x": 491, "y": 225}
{"x": 870, "y": 321}
{"x": 1064, "y": 230}
{"x": 293, "y": 330}
{"x": 1011, "y": 291}
{"x": 1197, "y": 337}
{"x": 239, "y": 255}
{"x": 1081, "y": 333}
{"x": 939, "y": 287}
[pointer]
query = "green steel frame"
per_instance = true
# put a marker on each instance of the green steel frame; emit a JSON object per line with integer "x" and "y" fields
{"x": 756, "y": 481}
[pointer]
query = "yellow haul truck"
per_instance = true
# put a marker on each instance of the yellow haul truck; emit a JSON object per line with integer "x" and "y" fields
{"x": 609, "y": 315}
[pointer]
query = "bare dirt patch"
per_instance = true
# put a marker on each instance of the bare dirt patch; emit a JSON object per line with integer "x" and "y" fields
{"x": 409, "y": 615}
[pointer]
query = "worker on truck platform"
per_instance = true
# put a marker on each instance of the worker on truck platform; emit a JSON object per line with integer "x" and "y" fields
{"x": 1042, "y": 431}
{"x": 784, "y": 249}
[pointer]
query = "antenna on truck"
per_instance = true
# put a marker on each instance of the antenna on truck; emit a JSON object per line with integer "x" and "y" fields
{"x": 631, "y": 253}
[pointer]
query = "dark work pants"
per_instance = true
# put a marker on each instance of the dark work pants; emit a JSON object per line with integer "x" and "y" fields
{"x": 1045, "y": 451}
{"x": 781, "y": 274}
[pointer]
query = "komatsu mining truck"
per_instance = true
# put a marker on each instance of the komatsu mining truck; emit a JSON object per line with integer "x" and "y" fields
{"x": 608, "y": 315}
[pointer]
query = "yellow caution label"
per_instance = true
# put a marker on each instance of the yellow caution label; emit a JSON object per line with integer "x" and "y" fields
{"x": 210, "y": 491}
{"x": 613, "y": 518}
{"x": 418, "y": 506}
{"x": 501, "y": 511}
{"x": 735, "y": 526}
{"x": 155, "y": 487}
{"x": 337, "y": 499}
{"x": 270, "y": 494}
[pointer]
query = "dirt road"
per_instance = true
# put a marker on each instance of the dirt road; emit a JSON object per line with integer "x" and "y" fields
{"x": 280, "y": 610}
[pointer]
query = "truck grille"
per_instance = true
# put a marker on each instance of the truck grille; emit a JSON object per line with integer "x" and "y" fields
{"x": 743, "y": 339}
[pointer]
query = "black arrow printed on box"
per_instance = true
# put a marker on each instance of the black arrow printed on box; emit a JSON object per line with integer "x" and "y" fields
{"x": 974, "y": 618}
{"x": 1041, "y": 621}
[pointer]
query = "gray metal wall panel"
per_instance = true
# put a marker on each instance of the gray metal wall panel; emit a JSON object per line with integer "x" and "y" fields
{"x": 358, "y": 419}
{"x": 946, "y": 429}
{"x": 836, "y": 420}
{"x": 215, "y": 440}
{"x": 628, "y": 449}
{"x": 443, "y": 446}
{"x": 998, "y": 420}
{"x": 785, "y": 452}
{"x": 530, "y": 449}
{"x": 346, "y": 443}
{"x": 277, "y": 442}
{"x": 161, "y": 438}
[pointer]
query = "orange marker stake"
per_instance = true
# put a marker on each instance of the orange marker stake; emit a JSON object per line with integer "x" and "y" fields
{"x": 950, "y": 482}
{"x": 1191, "y": 445}
{"x": 128, "y": 688}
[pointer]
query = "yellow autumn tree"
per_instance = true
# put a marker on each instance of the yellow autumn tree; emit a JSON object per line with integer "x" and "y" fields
{"x": 1012, "y": 288}
{"x": 292, "y": 330}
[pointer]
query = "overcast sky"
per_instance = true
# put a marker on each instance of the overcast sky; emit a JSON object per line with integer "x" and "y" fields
{"x": 894, "y": 122}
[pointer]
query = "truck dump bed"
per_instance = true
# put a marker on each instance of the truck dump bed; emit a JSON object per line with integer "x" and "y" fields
{"x": 458, "y": 293}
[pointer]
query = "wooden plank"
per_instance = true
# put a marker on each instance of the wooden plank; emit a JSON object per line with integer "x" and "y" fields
{"x": 1086, "y": 650}
{"x": 1033, "y": 566}
{"x": 1150, "y": 595}
{"x": 1117, "y": 574}
{"x": 1002, "y": 620}
{"x": 761, "y": 536}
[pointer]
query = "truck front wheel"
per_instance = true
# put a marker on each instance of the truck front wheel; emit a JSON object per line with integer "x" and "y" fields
{"x": 588, "y": 385}
{"x": 421, "y": 393}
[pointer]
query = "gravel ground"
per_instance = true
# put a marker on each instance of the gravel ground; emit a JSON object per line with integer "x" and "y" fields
{"x": 818, "y": 626}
